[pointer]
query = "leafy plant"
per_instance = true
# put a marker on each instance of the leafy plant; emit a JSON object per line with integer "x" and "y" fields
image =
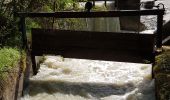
{"x": 8, "y": 58}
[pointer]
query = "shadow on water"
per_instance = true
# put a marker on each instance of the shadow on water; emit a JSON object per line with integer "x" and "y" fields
{"x": 81, "y": 89}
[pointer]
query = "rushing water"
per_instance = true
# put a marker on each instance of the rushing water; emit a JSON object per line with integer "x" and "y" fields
{"x": 151, "y": 21}
{"x": 76, "y": 79}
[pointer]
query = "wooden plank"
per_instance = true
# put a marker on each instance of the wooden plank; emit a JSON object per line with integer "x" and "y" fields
{"x": 115, "y": 13}
{"x": 90, "y": 45}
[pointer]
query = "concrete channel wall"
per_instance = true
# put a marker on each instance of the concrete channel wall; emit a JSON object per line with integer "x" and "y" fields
{"x": 11, "y": 85}
{"x": 131, "y": 23}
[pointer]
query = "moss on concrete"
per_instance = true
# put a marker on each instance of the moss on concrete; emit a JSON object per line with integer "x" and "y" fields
{"x": 162, "y": 75}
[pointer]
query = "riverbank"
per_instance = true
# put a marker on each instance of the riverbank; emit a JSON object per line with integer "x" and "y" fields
{"x": 162, "y": 75}
{"x": 11, "y": 73}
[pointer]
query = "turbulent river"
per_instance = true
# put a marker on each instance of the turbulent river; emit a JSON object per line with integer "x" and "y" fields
{"x": 76, "y": 79}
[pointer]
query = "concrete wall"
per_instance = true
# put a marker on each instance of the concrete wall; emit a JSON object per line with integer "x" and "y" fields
{"x": 131, "y": 23}
{"x": 11, "y": 85}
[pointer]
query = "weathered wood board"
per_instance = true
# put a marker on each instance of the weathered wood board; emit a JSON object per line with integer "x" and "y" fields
{"x": 112, "y": 46}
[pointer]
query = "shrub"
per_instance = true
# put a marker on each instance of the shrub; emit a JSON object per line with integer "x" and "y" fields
{"x": 8, "y": 58}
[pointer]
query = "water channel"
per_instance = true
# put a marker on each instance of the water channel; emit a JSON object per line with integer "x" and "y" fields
{"x": 77, "y": 79}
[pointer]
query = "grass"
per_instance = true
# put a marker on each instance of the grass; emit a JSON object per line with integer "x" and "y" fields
{"x": 9, "y": 58}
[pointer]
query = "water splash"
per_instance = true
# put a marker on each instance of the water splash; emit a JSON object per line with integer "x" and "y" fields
{"x": 77, "y": 79}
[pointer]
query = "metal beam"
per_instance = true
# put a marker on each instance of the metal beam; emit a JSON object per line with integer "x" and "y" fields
{"x": 159, "y": 31}
{"x": 115, "y": 13}
{"x": 112, "y": 46}
{"x": 23, "y": 30}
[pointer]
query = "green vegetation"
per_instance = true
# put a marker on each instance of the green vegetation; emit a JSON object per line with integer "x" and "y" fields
{"x": 162, "y": 75}
{"x": 9, "y": 34}
{"x": 9, "y": 61}
{"x": 163, "y": 63}
{"x": 9, "y": 66}
{"x": 9, "y": 58}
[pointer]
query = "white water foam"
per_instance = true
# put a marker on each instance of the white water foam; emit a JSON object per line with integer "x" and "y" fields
{"x": 76, "y": 79}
